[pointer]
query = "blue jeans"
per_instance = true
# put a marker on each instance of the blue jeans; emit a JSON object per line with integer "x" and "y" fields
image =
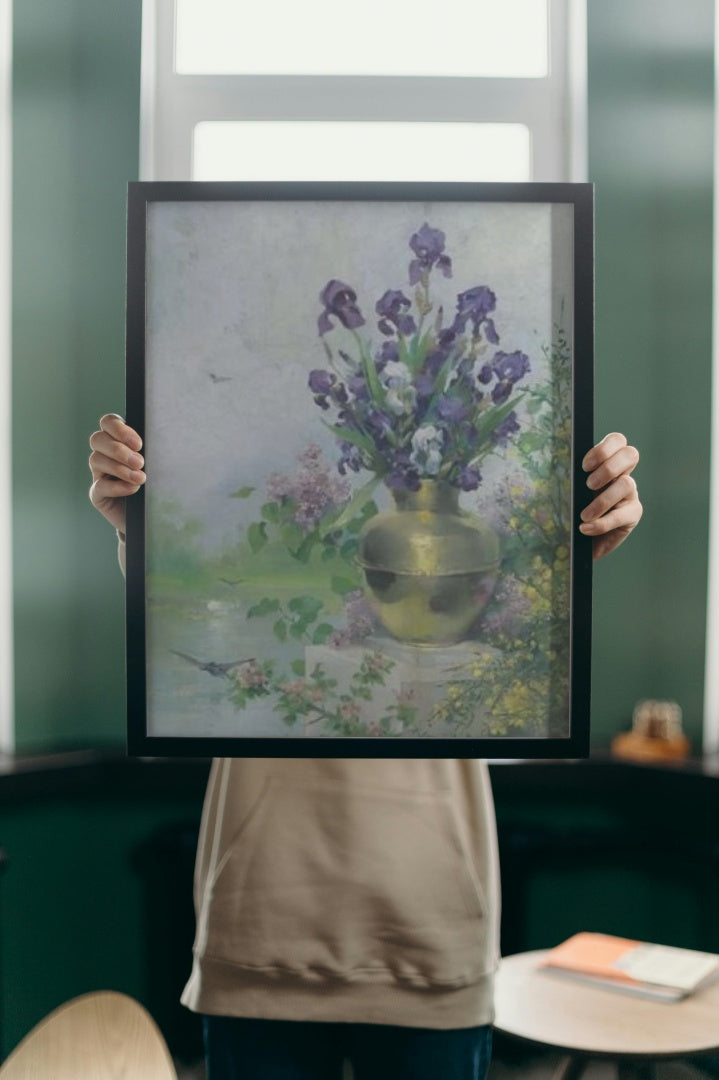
{"x": 239, "y": 1049}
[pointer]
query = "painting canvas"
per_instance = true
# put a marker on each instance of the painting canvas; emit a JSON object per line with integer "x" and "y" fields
{"x": 363, "y": 408}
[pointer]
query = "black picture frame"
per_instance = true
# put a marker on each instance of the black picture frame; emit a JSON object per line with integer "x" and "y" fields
{"x": 220, "y": 279}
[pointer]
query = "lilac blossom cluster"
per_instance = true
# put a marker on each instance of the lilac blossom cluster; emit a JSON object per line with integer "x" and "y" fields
{"x": 427, "y": 402}
{"x": 360, "y": 620}
{"x": 314, "y": 490}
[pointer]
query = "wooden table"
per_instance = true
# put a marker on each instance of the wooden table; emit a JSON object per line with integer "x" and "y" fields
{"x": 586, "y": 1022}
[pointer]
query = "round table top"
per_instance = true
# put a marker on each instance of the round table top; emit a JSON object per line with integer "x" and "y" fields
{"x": 567, "y": 1014}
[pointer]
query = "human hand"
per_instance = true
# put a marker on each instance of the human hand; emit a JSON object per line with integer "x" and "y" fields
{"x": 610, "y": 517}
{"x": 116, "y": 466}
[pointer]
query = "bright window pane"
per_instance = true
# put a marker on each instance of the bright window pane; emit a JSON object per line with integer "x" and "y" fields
{"x": 500, "y": 38}
{"x": 314, "y": 150}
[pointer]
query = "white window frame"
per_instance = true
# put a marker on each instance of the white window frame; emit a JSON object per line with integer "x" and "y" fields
{"x": 7, "y": 723}
{"x": 553, "y": 108}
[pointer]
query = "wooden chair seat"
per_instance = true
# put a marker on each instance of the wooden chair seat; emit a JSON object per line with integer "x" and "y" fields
{"x": 98, "y": 1036}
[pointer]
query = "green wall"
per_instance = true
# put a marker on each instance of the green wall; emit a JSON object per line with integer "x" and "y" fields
{"x": 76, "y": 89}
{"x": 75, "y": 109}
{"x": 76, "y": 899}
{"x": 650, "y": 156}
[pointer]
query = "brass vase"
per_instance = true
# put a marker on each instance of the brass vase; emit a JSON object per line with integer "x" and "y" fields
{"x": 429, "y": 567}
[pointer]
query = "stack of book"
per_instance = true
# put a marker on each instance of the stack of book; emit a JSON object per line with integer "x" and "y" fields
{"x": 661, "y": 972}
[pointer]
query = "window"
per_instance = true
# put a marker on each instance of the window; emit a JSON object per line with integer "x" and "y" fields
{"x": 389, "y": 92}
{"x": 402, "y": 38}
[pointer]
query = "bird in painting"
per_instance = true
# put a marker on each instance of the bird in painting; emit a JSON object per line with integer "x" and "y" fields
{"x": 214, "y": 667}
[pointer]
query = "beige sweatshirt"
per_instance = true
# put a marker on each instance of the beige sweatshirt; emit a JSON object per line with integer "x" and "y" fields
{"x": 347, "y": 890}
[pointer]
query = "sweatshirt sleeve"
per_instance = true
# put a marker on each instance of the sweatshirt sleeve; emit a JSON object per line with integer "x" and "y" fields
{"x": 121, "y": 550}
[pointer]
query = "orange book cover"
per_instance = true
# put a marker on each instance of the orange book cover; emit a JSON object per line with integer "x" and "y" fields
{"x": 662, "y": 971}
{"x": 592, "y": 954}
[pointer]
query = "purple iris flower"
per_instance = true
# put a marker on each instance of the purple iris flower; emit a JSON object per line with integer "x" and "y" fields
{"x": 428, "y": 246}
{"x": 440, "y": 351}
{"x": 402, "y": 474}
{"x": 451, "y": 409}
{"x": 388, "y": 353}
{"x": 424, "y": 384}
{"x": 503, "y": 432}
{"x": 350, "y": 458}
{"x": 326, "y": 387}
{"x": 323, "y": 385}
{"x": 393, "y": 309}
{"x": 321, "y": 382}
{"x": 445, "y": 340}
{"x": 339, "y": 301}
{"x": 469, "y": 478}
{"x": 510, "y": 367}
{"x": 474, "y": 306}
{"x": 430, "y": 392}
{"x": 501, "y": 391}
{"x": 358, "y": 388}
{"x": 379, "y": 425}
{"x": 402, "y": 479}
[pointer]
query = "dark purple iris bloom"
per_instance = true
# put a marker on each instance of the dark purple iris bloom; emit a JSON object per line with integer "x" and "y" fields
{"x": 428, "y": 246}
{"x": 503, "y": 431}
{"x": 469, "y": 478}
{"x": 379, "y": 426}
{"x": 485, "y": 374}
{"x": 510, "y": 367}
{"x": 433, "y": 363}
{"x": 322, "y": 383}
{"x": 424, "y": 384}
{"x": 402, "y": 474}
{"x": 440, "y": 351}
{"x": 389, "y": 351}
{"x": 358, "y": 388}
{"x": 451, "y": 409}
{"x": 446, "y": 340}
{"x": 326, "y": 387}
{"x": 351, "y": 458}
{"x": 339, "y": 301}
{"x": 501, "y": 391}
{"x": 402, "y": 479}
{"x": 474, "y": 306}
{"x": 393, "y": 310}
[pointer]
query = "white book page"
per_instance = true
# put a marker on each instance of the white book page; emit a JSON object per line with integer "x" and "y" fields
{"x": 663, "y": 964}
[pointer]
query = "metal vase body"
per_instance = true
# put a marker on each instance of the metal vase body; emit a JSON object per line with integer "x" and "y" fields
{"x": 430, "y": 568}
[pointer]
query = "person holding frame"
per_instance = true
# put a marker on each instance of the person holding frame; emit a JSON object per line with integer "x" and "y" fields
{"x": 348, "y": 909}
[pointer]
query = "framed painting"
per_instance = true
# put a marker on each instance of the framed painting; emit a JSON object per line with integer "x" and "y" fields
{"x": 364, "y": 408}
